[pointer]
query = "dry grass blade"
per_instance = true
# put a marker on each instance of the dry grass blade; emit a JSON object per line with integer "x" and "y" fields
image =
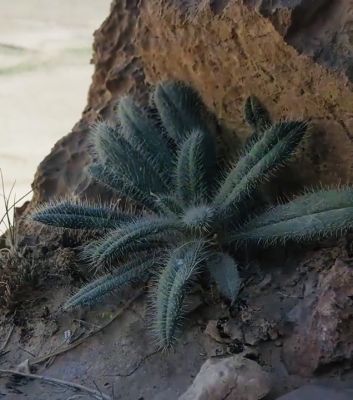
{"x": 5, "y": 219}
{"x": 95, "y": 394}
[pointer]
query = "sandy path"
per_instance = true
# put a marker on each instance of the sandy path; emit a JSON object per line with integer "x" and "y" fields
{"x": 45, "y": 48}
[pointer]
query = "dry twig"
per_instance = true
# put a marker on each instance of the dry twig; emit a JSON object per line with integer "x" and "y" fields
{"x": 92, "y": 392}
{"x": 3, "y": 347}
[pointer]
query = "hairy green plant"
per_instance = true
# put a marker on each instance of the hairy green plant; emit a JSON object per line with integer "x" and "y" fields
{"x": 169, "y": 169}
{"x": 256, "y": 116}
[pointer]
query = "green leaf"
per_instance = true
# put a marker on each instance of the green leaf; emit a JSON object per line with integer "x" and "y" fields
{"x": 180, "y": 109}
{"x": 256, "y": 115}
{"x": 115, "y": 152}
{"x": 224, "y": 271}
{"x": 312, "y": 216}
{"x": 199, "y": 219}
{"x": 143, "y": 134}
{"x": 196, "y": 168}
{"x": 122, "y": 186}
{"x": 168, "y": 205}
{"x": 80, "y": 215}
{"x": 92, "y": 293}
{"x": 174, "y": 282}
{"x": 275, "y": 147}
{"x": 130, "y": 238}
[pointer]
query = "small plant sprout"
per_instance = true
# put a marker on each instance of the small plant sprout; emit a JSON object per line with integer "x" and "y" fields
{"x": 167, "y": 167}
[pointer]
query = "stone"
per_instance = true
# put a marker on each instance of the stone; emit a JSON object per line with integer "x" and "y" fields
{"x": 213, "y": 332}
{"x": 251, "y": 338}
{"x": 233, "y": 331}
{"x": 260, "y": 330}
{"x": 231, "y": 378}
{"x": 311, "y": 392}
{"x": 323, "y": 323}
{"x": 224, "y": 331}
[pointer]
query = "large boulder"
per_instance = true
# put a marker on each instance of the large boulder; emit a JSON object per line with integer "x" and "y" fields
{"x": 291, "y": 54}
{"x": 232, "y": 378}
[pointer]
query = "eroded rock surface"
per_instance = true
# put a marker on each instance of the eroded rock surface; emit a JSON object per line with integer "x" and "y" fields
{"x": 226, "y": 50}
{"x": 324, "y": 323}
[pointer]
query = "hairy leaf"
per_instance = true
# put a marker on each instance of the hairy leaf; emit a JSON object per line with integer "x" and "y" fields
{"x": 224, "y": 271}
{"x": 311, "y": 216}
{"x": 123, "y": 187}
{"x": 200, "y": 218}
{"x": 115, "y": 152}
{"x": 130, "y": 237}
{"x": 180, "y": 109}
{"x": 182, "y": 267}
{"x": 274, "y": 149}
{"x": 80, "y": 215}
{"x": 123, "y": 275}
{"x": 196, "y": 168}
{"x": 142, "y": 133}
{"x": 256, "y": 115}
{"x": 168, "y": 205}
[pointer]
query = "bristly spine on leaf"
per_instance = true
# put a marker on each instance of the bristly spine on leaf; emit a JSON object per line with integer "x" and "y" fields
{"x": 182, "y": 268}
{"x": 274, "y": 149}
{"x": 81, "y": 215}
{"x": 92, "y": 293}
{"x": 180, "y": 109}
{"x": 256, "y": 115}
{"x": 195, "y": 168}
{"x": 311, "y": 216}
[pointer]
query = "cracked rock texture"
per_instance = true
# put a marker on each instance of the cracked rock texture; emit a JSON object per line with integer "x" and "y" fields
{"x": 323, "y": 323}
{"x": 294, "y": 55}
{"x": 232, "y": 378}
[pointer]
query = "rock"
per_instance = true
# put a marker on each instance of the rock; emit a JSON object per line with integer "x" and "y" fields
{"x": 250, "y": 352}
{"x": 248, "y": 48}
{"x": 24, "y": 367}
{"x": 232, "y": 330}
{"x": 265, "y": 282}
{"x": 284, "y": 14}
{"x": 311, "y": 28}
{"x": 324, "y": 323}
{"x": 312, "y": 392}
{"x": 259, "y": 330}
{"x": 251, "y": 338}
{"x": 224, "y": 331}
{"x": 231, "y": 378}
{"x": 213, "y": 332}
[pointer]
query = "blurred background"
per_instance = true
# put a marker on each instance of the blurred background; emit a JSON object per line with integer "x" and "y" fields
{"x": 45, "y": 73}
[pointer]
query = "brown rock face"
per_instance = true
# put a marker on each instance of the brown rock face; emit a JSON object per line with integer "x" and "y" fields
{"x": 321, "y": 29}
{"x": 226, "y": 50}
{"x": 324, "y": 324}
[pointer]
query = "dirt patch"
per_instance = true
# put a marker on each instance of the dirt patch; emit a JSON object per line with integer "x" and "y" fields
{"x": 121, "y": 359}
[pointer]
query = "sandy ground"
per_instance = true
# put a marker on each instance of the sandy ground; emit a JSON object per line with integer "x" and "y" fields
{"x": 45, "y": 50}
